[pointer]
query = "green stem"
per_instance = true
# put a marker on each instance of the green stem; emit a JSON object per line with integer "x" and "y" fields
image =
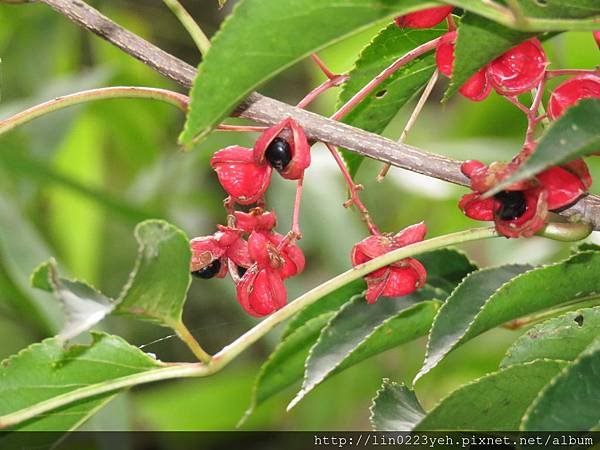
{"x": 231, "y": 351}
{"x": 173, "y": 98}
{"x": 501, "y": 14}
{"x": 184, "y": 334}
{"x": 191, "y": 26}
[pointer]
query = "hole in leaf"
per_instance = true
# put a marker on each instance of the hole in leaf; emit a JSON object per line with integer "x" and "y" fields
{"x": 381, "y": 93}
{"x": 579, "y": 320}
{"x": 542, "y": 2}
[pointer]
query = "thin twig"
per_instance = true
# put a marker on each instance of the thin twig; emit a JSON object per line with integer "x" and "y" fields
{"x": 191, "y": 26}
{"x": 353, "y": 188}
{"x": 412, "y": 119}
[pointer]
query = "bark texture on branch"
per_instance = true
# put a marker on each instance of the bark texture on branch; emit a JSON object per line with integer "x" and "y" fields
{"x": 269, "y": 111}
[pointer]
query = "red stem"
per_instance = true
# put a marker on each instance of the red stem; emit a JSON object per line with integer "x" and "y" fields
{"x": 328, "y": 73}
{"x": 353, "y": 188}
{"x": 327, "y": 84}
{"x": 296, "y": 215}
{"x": 384, "y": 75}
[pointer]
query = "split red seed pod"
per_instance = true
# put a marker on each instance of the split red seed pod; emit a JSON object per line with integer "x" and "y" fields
{"x": 263, "y": 248}
{"x": 291, "y": 135}
{"x": 522, "y": 208}
{"x": 239, "y": 174}
{"x": 571, "y": 91}
{"x": 210, "y": 253}
{"x": 477, "y": 87}
{"x": 261, "y": 292}
{"x": 257, "y": 219}
{"x": 519, "y": 69}
{"x": 400, "y": 278}
{"x": 425, "y": 18}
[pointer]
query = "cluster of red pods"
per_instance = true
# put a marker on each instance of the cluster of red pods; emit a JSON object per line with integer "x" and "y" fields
{"x": 259, "y": 259}
{"x": 522, "y": 208}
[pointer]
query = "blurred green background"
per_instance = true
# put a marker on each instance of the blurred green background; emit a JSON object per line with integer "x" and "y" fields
{"x": 74, "y": 184}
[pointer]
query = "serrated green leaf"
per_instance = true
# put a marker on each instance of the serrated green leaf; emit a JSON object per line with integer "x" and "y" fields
{"x": 455, "y": 318}
{"x": 360, "y": 330}
{"x": 83, "y": 305}
{"x": 158, "y": 285}
{"x": 263, "y": 37}
{"x": 395, "y": 408}
{"x": 563, "y": 337}
{"x": 48, "y": 369}
{"x": 573, "y": 135}
{"x": 446, "y": 267}
{"x": 330, "y": 302}
{"x": 479, "y": 41}
{"x": 491, "y": 297}
{"x": 571, "y": 401}
{"x": 376, "y": 111}
{"x": 285, "y": 366}
{"x": 494, "y": 402}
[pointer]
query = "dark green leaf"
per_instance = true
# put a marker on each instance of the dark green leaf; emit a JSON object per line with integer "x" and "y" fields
{"x": 455, "y": 317}
{"x": 83, "y": 305}
{"x": 479, "y": 41}
{"x": 263, "y": 37}
{"x": 48, "y": 369}
{"x": 330, "y": 302}
{"x": 360, "y": 330}
{"x": 285, "y": 366}
{"x": 483, "y": 301}
{"x": 395, "y": 408}
{"x": 158, "y": 285}
{"x": 446, "y": 267}
{"x": 376, "y": 111}
{"x": 571, "y": 402}
{"x": 573, "y": 135}
{"x": 494, "y": 402}
{"x": 563, "y": 337}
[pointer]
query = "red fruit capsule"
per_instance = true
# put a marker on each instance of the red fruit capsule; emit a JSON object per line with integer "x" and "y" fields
{"x": 477, "y": 87}
{"x": 519, "y": 69}
{"x": 245, "y": 180}
{"x": 211, "y": 253}
{"x": 522, "y": 208}
{"x": 400, "y": 278}
{"x": 571, "y": 91}
{"x": 261, "y": 292}
{"x": 285, "y": 148}
{"x": 255, "y": 220}
{"x": 425, "y": 18}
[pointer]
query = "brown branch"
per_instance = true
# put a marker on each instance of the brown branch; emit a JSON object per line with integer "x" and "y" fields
{"x": 269, "y": 111}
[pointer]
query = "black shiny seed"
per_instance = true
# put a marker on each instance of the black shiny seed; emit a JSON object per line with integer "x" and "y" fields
{"x": 241, "y": 270}
{"x": 209, "y": 271}
{"x": 279, "y": 153}
{"x": 513, "y": 204}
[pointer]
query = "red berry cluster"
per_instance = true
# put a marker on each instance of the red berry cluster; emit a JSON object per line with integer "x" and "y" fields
{"x": 257, "y": 258}
{"x": 522, "y": 208}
